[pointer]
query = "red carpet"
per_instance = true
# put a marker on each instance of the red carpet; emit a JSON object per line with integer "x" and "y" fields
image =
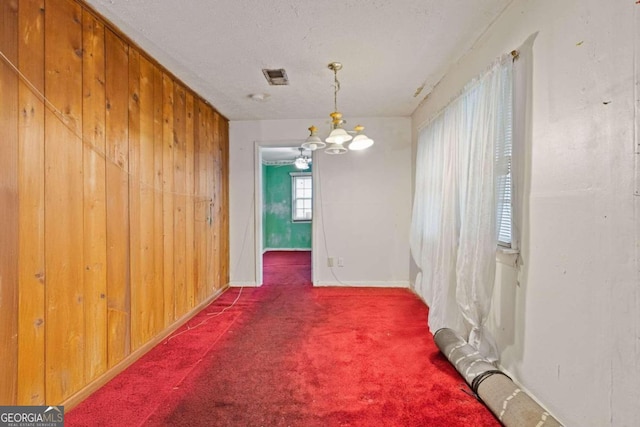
{"x": 288, "y": 354}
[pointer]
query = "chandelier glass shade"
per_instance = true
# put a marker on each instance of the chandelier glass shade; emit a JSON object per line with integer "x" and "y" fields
{"x": 338, "y": 136}
{"x": 335, "y": 148}
{"x": 313, "y": 142}
{"x": 360, "y": 141}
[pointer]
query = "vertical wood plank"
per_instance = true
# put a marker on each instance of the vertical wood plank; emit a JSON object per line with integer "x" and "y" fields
{"x": 190, "y": 203}
{"x": 118, "y": 296}
{"x": 138, "y": 290}
{"x": 144, "y": 312}
{"x": 168, "y": 199}
{"x": 210, "y": 182}
{"x": 95, "y": 220}
{"x": 179, "y": 180}
{"x": 63, "y": 200}
{"x": 158, "y": 206}
{"x": 200, "y": 202}
{"x": 206, "y": 199}
{"x": 216, "y": 186}
{"x": 9, "y": 202}
{"x": 225, "y": 203}
{"x": 31, "y": 369}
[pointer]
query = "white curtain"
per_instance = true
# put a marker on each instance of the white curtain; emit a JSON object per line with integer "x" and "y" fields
{"x": 460, "y": 161}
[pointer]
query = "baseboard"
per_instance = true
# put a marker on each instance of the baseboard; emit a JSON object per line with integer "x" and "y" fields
{"x": 94, "y": 385}
{"x": 363, "y": 284}
{"x": 243, "y": 285}
{"x": 287, "y": 249}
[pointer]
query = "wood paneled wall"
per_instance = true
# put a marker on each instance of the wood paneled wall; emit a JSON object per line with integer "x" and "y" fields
{"x": 113, "y": 200}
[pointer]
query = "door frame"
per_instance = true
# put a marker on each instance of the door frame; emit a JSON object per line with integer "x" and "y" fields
{"x": 257, "y": 204}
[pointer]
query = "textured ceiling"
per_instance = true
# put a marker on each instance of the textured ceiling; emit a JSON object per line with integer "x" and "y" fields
{"x": 388, "y": 49}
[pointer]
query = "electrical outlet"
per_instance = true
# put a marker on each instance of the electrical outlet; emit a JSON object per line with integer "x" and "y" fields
{"x": 340, "y": 262}
{"x": 330, "y": 261}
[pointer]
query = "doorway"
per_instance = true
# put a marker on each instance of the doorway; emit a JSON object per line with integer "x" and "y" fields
{"x": 283, "y": 202}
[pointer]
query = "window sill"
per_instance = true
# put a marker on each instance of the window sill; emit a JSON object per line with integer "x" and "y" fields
{"x": 507, "y": 256}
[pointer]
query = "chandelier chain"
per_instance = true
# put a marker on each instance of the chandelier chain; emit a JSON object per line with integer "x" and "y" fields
{"x": 336, "y": 88}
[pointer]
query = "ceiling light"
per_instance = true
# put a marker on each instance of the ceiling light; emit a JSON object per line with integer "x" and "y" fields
{"x": 336, "y": 148}
{"x": 313, "y": 142}
{"x": 302, "y": 162}
{"x": 338, "y": 135}
{"x": 360, "y": 141}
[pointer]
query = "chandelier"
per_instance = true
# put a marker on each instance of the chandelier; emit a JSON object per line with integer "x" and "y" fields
{"x": 302, "y": 162}
{"x": 334, "y": 143}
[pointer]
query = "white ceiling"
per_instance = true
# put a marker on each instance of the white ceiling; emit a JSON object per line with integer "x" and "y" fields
{"x": 389, "y": 49}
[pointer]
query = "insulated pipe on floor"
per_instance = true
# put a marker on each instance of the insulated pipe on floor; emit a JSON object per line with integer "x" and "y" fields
{"x": 512, "y": 406}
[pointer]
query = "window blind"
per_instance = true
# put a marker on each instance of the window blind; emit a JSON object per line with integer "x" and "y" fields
{"x": 504, "y": 184}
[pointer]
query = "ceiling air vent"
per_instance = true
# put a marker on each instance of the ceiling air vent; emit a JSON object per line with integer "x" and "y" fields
{"x": 276, "y": 77}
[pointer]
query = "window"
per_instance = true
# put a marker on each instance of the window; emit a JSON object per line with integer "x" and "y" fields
{"x": 504, "y": 184}
{"x": 301, "y": 193}
{"x": 504, "y": 219}
{"x": 462, "y": 201}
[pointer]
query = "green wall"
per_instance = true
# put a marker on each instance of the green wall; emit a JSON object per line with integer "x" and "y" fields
{"x": 279, "y": 231}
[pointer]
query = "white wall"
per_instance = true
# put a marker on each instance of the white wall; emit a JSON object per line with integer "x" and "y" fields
{"x": 568, "y": 321}
{"x": 363, "y": 197}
